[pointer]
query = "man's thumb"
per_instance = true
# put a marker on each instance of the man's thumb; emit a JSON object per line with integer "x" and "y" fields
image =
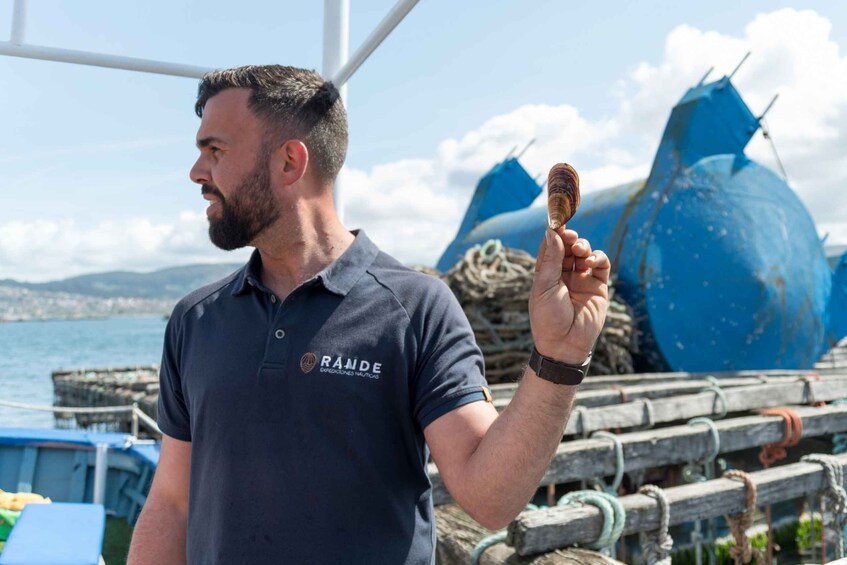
{"x": 551, "y": 254}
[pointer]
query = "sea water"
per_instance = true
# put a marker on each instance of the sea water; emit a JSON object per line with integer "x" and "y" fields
{"x": 30, "y": 351}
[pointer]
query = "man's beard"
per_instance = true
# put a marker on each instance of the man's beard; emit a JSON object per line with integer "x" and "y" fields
{"x": 250, "y": 208}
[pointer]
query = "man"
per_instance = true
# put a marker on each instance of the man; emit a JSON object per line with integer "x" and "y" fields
{"x": 301, "y": 396}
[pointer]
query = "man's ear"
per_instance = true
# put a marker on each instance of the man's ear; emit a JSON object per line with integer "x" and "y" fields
{"x": 292, "y": 161}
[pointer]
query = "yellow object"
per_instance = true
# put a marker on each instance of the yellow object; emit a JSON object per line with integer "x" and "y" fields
{"x": 17, "y": 500}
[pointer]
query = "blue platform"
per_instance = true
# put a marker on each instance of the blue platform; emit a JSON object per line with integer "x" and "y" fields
{"x": 56, "y": 534}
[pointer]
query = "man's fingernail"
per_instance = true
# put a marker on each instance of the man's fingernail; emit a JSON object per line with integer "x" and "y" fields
{"x": 593, "y": 257}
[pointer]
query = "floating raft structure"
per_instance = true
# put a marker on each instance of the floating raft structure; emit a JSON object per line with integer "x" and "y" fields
{"x": 105, "y": 387}
{"x": 736, "y": 431}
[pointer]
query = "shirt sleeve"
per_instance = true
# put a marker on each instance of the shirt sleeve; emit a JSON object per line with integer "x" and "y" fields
{"x": 450, "y": 371}
{"x": 172, "y": 411}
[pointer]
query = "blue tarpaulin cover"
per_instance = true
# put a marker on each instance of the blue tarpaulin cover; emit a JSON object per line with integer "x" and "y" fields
{"x": 56, "y": 534}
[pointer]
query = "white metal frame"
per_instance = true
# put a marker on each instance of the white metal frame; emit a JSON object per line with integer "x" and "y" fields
{"x": 335, "y": 47}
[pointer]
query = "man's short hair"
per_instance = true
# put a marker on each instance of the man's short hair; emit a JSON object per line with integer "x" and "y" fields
{"x": 296, "y": 104}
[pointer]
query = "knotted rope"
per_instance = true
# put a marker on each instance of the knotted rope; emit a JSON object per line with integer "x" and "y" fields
{"x": 619, "y": 462}
{"x": 493, "y": 539}
{"x": 835, "y": 496}
{"x": 691, "y": 473}
{"x": 657, "y": 545}
{"x": 773, "y": 452}
{"x": 614, "y": 515}
{"x": 485, "y": 543}
{"x": 698, "y": 471}
{"x": 743, "y": 551}
{"x": 719, "y": 395}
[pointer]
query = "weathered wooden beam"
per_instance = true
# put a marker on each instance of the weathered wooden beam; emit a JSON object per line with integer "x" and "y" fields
{"x": 544, "y": 530}
{"x": 622, "y": 394}
{"x": 592, "y": 458}
{"x": 611, "y": 381}
{"x": 685, "y": 407}
{"x": 458, "y": 534}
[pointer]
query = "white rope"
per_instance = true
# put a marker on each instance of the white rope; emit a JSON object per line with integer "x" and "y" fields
{"x": 143, "y": 416}
{"x": 657, "y": 545}
{"x": 835, "y": 496}
{"x": 67, "y": 409}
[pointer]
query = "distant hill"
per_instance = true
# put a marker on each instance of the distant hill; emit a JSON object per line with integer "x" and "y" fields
{"x": 171, "y": 283}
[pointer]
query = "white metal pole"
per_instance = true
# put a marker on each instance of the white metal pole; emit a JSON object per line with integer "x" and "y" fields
{"x": 99, "y": 59}
{"x": 18, "y": 22}
{"x": 336, "y": 46}
{"x": 101, "y": 466}
{"x": 386, "y": 26}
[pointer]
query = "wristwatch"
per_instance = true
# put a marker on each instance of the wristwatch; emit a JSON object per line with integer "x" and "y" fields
{"x": 556, "y": 371}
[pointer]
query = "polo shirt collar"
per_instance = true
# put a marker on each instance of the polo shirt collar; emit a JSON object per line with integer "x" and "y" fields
{"x": 249, "y": 275}
{"x": 338, "y": 277}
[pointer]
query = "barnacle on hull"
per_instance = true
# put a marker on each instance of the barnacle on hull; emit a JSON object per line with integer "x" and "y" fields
{"x": 562, "y": 194}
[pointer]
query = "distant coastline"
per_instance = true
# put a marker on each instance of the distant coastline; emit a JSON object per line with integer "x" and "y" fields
{"x": 140, "y": 316}
{"x": 115, "y": 294}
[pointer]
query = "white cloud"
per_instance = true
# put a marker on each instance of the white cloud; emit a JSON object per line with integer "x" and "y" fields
{"x": 47, "y": 250}
{"x": 413, "y": 207}
{"x": 423, "y": 201}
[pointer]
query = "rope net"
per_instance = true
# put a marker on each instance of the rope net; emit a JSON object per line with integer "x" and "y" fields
{"x": 492, "y": 283}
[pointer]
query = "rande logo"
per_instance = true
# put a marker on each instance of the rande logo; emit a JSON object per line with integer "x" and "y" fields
{"x": 350, "y": 366}
{"x": 308, "y": 362}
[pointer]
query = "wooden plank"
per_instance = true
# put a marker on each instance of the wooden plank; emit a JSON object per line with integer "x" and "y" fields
{"x": 593, "y": 382}
{"x": 621, "y": 395}
{"x": 685, "y": 407}
{"x": 551, "y": 528}
{"x": 592, "y": 458}
{"x": 458, "y": 534}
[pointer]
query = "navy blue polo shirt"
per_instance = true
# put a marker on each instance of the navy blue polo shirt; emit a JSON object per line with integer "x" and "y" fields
{"x": 306, "y": 415}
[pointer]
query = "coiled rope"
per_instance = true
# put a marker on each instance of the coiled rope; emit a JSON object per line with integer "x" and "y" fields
{"x": 614, "y": 515}
{"x": 835, "y": 512}
{"x": 657, "y": 545}
{"x": 493, "y": 283}
{"x": 743, "y": 551}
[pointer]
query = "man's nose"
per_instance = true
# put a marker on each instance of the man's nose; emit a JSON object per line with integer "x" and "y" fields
{"x": 200, "y": 172}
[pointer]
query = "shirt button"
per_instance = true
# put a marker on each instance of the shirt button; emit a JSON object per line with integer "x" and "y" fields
{"x": 279, "y": 334}
{"x": 273, "y": 298}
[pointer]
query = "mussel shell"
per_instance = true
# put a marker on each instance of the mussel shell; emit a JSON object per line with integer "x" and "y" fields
{"x": 562, "y": 194}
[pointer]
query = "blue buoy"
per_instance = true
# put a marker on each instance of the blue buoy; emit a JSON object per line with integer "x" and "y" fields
{"x": 716, "y": 254}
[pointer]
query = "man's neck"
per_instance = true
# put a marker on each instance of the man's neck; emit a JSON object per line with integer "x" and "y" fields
{"x": 294, "y": 253}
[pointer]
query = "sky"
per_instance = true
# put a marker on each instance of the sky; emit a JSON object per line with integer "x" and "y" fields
{"x": 94, "y": 162}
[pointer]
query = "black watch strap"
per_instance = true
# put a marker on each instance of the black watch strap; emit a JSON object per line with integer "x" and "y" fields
{"x": 556, "y": 371}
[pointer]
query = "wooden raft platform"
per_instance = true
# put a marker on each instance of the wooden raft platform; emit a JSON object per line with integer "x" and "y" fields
{"x": 101, "y": 387}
